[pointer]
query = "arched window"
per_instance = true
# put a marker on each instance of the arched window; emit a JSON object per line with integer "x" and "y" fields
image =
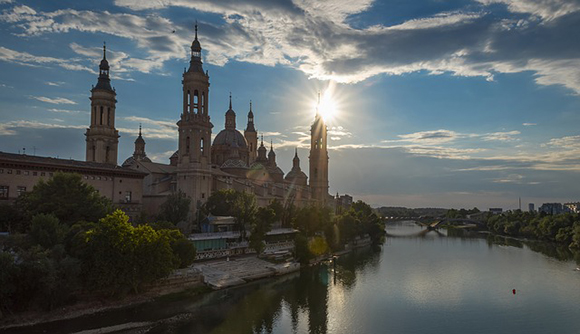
{"x": 102, "y": 115}
{"x": 201, "y": 146}
{"x": 108, "y": 116}
{"x": 203, "y": 103}
{"x": 187, "y": 145}
{"x": 107, "y": 154}
{"x": 195, "y": 101}
{"x": 188, "y": 102}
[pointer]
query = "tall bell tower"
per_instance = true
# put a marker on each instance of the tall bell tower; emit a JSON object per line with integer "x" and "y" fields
{"x": 194, "y": 156}
{"x": 318, "y": 160}
{"x": 251, "y": 136}
{"x": 102, "y": 138}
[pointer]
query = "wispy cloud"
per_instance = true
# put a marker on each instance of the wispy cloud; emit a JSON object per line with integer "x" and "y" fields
{"x": 57, "y": 100}
{"x": 50, "y": 83}
{"x": 10, "y": 128}
{"x": 529, "y": 124}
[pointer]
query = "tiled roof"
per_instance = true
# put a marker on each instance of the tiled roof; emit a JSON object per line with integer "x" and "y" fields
{"x": 57, "y": 163}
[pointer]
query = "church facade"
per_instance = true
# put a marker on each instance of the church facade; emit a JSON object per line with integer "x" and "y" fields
{"x": 232, "y": 161}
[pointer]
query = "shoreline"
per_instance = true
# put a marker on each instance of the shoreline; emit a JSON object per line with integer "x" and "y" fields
{"x": 197, "y": 285}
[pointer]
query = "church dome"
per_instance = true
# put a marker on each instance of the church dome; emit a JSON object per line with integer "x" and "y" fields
{"x": 234, "y": 163}
{"x": 230, "y": 137}
{"x": 130, "y": 160}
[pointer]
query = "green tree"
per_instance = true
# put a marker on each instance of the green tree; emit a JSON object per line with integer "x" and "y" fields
{"x": 122, "y": 257}
{"x": 176, "y": 208}
{"x": 47, "y": 231}
{"x": 221, "y": 203}
{"x": 65, "y": 196}
{"x": 265, "y": 217}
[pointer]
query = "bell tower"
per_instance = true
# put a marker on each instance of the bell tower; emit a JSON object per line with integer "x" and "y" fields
{"x": 102, "y": 138}
{"x": 194, "y": 156}
{"x": 251, "y": 136}
{"x": 318, "y": 160}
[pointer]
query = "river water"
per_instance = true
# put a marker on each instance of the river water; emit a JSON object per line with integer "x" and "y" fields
{"x": 418, "y": 282}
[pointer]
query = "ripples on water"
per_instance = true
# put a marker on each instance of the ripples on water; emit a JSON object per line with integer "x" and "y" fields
{"x": 419, "y": 282}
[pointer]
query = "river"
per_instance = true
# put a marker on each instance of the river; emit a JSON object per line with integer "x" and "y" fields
{"x": 418, "y": 282}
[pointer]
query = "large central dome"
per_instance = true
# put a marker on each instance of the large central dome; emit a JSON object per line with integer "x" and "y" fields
{"x": 230, "y": 137}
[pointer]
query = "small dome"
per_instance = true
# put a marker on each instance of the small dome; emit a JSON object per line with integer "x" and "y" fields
{"x": 128, "y": 162}
{"x": 230, "y": 137}
{"x": 196, "y": 46}
{"x": 275, "y": 170}
{"x": 174, "y": 155}
{"x": 104, "y": 64}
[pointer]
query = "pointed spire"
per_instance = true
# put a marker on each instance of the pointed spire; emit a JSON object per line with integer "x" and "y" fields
{"x": 104, "y": 50}
{"x": 318, "y": 104}
{"x": 139, "y": 129}
{"x": 196, "y": 30}
{"x": 271, "y": 145}
{"x": 262, "y": 141}
{"x": 296, "y": 152}
{"x": 250, "y": 105}
{"x": 230, "y": 100}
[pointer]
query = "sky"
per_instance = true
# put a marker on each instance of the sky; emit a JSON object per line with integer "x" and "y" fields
{"x": 437, "y": 103}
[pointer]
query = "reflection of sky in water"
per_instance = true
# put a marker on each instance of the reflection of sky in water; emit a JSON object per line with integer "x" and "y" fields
{"x": 429, "y": 283}
{"x": 439, "y": 284}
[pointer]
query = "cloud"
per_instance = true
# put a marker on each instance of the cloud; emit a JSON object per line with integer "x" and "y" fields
{"x": 529, "y": 124}
{"x": 58, "y": 100}
{"x": 50, "y": 83}
{"x": 66, "y": 111}
{"x": 10, "y": 128}
{"x": 315, "y": 37}
{"x": 27, "y": 59}
{"x": 546, "y": 9}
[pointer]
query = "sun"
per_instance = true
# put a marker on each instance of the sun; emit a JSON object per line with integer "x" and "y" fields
{"x": 327, "y": 107}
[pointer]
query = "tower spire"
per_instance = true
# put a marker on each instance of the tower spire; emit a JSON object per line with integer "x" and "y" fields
{"x": 196, "y": 30}
{"x": 104, "y": 50}
{"x": 230, "y": 100}
{"x": 139, "y": 129}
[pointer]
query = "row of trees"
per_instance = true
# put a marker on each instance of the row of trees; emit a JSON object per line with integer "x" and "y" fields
{"x": 562, "y": 228}
{"x": 67, "y": 239}
{"x": 319, "y": 230}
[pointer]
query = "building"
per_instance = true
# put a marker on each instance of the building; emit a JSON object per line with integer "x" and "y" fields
{"x": 553, "y": 208}
{"x": 495, "y": 211}
{"x": 531, "y": 207}
{"x": 198, "y": 167}
{"x": 232, "y": 161}
{"x": 20, "y": 172}
{"x": 573, "y": 207}
{"x": 123, "y": 186}
{"x": 343, "y": 203}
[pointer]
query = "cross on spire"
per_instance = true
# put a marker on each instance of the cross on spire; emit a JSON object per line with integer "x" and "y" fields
{"x": 104, "y": 50}
{"x": 230, "y": 100}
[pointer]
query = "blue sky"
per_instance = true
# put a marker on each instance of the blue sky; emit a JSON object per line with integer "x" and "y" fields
{"x": 439, "y": 103}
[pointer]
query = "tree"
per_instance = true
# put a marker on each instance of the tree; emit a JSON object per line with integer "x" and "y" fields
{"x": 121, "y": 257}
{"x": 265, "y": 217}
{"x": 65, "y": 196}
{"x": 176, "y": 208}
{"x": 47, "y": 231}
{"x": 238, "y": 204}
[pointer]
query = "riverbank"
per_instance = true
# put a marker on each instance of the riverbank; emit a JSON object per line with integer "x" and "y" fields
{"x": 199, "y": 278}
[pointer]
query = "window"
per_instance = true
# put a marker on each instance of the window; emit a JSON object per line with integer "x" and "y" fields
{"x": 1, "y": 171}
{"x": 20, "y": 190}
{"x": 18, "y": 172}
{"x": 201, "y": 146}
{"x": 108, "y": 116}
{"x": 195, "y": 102}
{"x": 188, "y": 102}
{"x": 86, "y": 177}
{"x": 102, "y": 111}
{"x": 202, "y": 195}
{"x": 34, "y": 173}
{"x": 187, "y": 145}
{"x": 127, "y": 197}
{"x": 10, "y": 171}
{"x": 26, "y": 172}
{"x": 203, "y": 103}
{"x": 4, "y": 192}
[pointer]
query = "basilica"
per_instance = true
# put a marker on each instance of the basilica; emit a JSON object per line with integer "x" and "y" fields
{"x": 199, "y": 167}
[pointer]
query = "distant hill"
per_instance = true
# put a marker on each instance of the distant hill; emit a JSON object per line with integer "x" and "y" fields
{"x": 394, "y": 211}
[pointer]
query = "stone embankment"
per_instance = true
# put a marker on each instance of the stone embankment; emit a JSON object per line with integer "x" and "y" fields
{"x": 222, "y": 273}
